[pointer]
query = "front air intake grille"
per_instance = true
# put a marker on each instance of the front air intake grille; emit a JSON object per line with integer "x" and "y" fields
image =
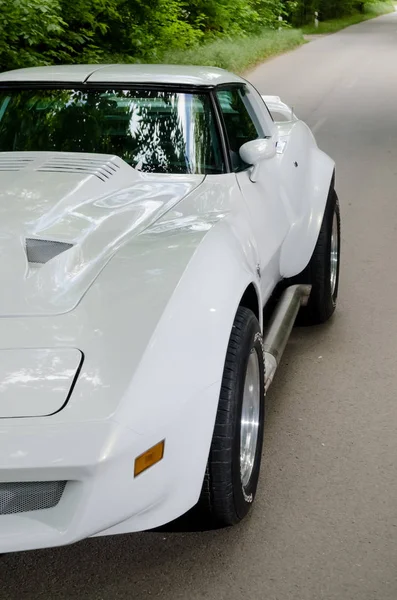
{"x": 41, "y": 251}
{"x": 25, "y": 496}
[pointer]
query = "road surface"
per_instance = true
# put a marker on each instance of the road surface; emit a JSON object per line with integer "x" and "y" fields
{"x": 325, "y": 521}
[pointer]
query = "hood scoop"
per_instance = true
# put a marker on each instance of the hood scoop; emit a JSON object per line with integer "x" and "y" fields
{"x": 39, "y": 252}
{"x": 63, "y": 217}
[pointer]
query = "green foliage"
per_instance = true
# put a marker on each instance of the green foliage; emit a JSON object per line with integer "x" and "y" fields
{"x": 86, "y": 22}
{"x": 29, "y": 31}
{"x": 301, "y": 12}
{"x": 240, "y": 53}
{"x": 330, "y": 9}
{"x": 43, "y": 31}
{"x": 142, "y": 30}
{"x": 375, "y": 8}
{"x": 35, "y": 32}
{"x": 368, "y": 11}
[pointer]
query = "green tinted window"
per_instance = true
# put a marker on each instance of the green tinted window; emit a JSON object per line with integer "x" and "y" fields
{"x": 154, "y": 131}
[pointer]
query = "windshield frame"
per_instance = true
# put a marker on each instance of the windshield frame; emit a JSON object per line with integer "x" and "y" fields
{"x": 166, "y": 87}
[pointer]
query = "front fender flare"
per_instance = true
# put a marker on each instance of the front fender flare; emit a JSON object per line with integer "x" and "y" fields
{"x": 179, "y": 377}
{"x": 192, "y": 334}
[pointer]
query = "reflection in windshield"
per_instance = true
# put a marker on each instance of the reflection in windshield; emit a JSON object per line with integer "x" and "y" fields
{"x": 154, "y": 131}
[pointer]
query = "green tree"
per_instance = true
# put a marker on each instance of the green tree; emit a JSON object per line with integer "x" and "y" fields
{"x": 29, "y": 32}
{"x": 34, "y": 32}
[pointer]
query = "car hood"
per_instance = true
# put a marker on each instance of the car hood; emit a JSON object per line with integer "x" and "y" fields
{"x": 63, "y": 216}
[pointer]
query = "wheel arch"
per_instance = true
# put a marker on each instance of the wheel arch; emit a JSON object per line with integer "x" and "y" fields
{"x": 188, "y": 349}
{"x": 251, "y": 300}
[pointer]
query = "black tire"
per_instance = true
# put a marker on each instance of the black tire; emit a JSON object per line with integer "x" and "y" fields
{"x": 224, "y": 499}
{"x": 322, "y": 301}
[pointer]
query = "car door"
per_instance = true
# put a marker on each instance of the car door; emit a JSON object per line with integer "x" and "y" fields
{"x": 242, "y": 123}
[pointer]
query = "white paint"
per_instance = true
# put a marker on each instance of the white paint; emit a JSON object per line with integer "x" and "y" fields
{"x": 148, "y": 294}
{"x": 276, "y": 106}
{"x": 36, "y": 383}
{"x": 179, "y": 74}
{"x": 39, "y": 199}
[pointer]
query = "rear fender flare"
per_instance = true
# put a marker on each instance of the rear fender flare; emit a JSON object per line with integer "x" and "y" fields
{"x": 300, "y": 242}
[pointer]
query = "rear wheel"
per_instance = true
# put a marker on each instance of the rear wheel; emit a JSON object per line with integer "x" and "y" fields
{"x": 322, "y": 272}
{"x": 234, "y": 461}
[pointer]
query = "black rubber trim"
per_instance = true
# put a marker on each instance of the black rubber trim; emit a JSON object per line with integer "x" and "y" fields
{"x": 332, "y": 184}
{"x": 222, "y": 133}
{"x": 223, "y": 127}
{"x": 75, "y": 378}
{"x": 78, "y": 85}
{"x": 146, "y": 85}
{"x": 232, "y": 85}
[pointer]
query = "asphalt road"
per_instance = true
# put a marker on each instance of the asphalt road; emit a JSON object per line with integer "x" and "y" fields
{"x": 325, "y": 520}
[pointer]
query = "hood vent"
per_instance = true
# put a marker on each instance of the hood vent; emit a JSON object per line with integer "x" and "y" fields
{"x": 14, "y": 163}
{"x": 40, "y": 252}
{"x": 84, "y": 166}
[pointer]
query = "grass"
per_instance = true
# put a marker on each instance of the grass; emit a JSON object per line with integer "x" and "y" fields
{"x": 371, "y": 10}
{"x": 241, "y": 54}
{"x": 237, "y": 54}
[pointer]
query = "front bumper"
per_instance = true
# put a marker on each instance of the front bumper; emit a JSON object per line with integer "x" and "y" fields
{"x": 96, "y": 459}
{"x": 97, "y": 462}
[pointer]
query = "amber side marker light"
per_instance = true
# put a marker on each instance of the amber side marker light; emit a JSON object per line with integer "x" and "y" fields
{"x": 149, "y": 458}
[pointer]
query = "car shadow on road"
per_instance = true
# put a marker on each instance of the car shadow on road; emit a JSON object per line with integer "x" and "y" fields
{"x": 147, "y": 565}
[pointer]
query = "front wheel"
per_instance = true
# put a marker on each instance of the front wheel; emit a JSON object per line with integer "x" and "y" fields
{"x": 234, "y": 461}
{"x": 322, "y": 272}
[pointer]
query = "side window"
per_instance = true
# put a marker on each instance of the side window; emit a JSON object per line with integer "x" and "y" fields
{"x": 239, "y": 124}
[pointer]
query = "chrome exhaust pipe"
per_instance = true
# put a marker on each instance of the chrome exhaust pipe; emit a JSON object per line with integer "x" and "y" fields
{"x": 279, "y": 329}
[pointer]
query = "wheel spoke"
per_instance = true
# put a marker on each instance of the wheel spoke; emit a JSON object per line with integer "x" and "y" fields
{"x": 334, "y": 254}
{"x": 250, "y": 414}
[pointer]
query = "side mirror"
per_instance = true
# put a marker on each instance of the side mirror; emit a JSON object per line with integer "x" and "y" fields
{"x": 254, "y": 152}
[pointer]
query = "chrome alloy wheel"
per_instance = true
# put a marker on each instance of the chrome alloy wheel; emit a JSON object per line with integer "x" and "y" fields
{"x": 334, "y": 254}
{"x": 250, "y": 414}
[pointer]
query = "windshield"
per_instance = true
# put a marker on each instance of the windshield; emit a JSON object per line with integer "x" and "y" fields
{"x": 154, "y": 131}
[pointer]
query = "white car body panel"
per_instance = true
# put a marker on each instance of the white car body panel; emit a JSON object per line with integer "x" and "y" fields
{"x": 147, "y": 294}
{"x": 36, "y": 382}
{"x": 172, "y": 74}
{"x": 53, "y": 73}
{"x": 279, "y": 110}
{"x": 304, "y": 188}
{"x": 93, "y": 202}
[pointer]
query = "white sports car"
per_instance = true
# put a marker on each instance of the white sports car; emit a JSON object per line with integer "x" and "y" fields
{"x": 161, "y": 228}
